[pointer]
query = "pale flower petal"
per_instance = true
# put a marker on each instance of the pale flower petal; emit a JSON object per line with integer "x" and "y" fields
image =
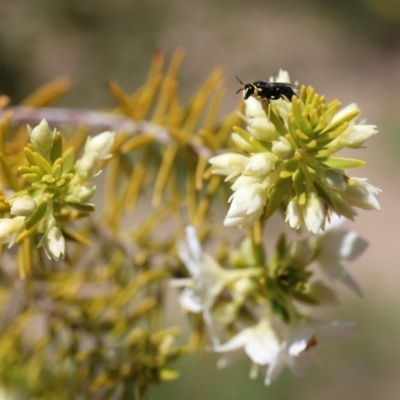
{"x": 314, "y": 213}
{"x": 263, "y": 129}
{"x": 362, "y": 194}
{"x": 247, "y": 205}
{"x": 260, "y": 164}
{"x": 101, "y": 145}
{"x": 294, "y": 216}
{"x": 10, "y": 229}
{"x": 254, "y": 108}
{"x": 229, "y": 164}
{"x": 344, "y": 111}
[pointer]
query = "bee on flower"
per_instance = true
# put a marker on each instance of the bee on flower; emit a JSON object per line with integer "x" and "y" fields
{"x": 287, "y": 160}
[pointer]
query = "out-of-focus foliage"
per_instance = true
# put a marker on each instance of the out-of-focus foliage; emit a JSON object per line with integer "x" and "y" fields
{"x": 91, "y": 325}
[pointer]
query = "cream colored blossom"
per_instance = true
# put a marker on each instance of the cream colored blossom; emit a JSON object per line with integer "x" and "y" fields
{"x": 10, "y": 228}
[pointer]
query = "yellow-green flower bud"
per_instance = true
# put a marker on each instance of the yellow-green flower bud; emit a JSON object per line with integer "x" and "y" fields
{"x": 42, "y": 138}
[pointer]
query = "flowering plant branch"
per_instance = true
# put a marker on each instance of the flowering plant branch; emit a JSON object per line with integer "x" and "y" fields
{"x": 88, "y": 317}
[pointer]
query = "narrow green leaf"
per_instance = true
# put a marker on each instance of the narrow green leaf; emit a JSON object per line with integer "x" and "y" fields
{"x": 85, "y": 207}
{"x": 57, "y": 168}
{"x": 346, "y": 118}
{"x": 37, "y": 215}
{"x": 31, "y": 178}
{"x": 276, "y": 195}
{"x": 343, "y": 163}
{"x": 57, "y": 148}
{"x": 289, "y": 168}
{"x": 68, "y": 160}
{"x": 42, "y": 163}
{"x": 29, "y": 155}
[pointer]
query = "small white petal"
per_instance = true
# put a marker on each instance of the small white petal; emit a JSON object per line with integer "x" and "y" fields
{"x": 263, "y": 129}
{"x": 294, "y": 216}
{"x": 314, "y": 213}
{"x": 341, "y": 113}
{"x": 189, "y": 301}
{"x": 260, "y": 164}
{"x": 100, "y": 144}
{"x": 254, "y": 108}
{"x": 361, "y": 194}
{"x": 229, "y": 164}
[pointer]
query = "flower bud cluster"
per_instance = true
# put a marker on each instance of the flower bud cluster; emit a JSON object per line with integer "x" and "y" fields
{"x": 287, "y": 161}
{"x": 56, "y": 183}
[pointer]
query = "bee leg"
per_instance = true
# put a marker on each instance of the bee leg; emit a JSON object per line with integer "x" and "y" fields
{"x": 265, "y": 99}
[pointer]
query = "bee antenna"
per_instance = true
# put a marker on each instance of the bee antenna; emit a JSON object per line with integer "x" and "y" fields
{"x": 239, "y": 80}
{"x": 239, "y": 90}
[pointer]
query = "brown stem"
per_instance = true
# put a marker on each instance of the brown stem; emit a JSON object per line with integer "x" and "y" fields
{"x": 96, "y": 120}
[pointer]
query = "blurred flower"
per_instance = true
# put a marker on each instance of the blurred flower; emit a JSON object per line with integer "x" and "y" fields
{"x": 208, "y": 280}
{"x": 263, "y": 346}
{"x": 335, "y": 248}
{"x": 10, "y": 228}
{"x": 101, "y": 145}
{"x": 96, "y": 149}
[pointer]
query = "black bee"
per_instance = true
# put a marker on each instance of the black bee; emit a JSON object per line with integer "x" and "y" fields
{"x": 261, "y": 90}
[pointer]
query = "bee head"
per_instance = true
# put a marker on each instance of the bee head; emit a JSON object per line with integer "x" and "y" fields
{"x": 248, "y": 89}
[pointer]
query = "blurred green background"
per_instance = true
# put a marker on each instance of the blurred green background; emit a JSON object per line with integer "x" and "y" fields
{"x": 346, "y": 49}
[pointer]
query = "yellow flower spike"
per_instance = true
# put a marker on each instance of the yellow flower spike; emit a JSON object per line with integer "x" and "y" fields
{"x": 48, "y": 93}
{"x": 168, "y": 88}
{"x": 22, "y": 270}
{"x": 75, "y": 143}
{"x": 120, "y": 97}
{"x": 135, "y": 183}
{"x": 222, "y": 135}
{"x": 175, "y": 64}
{"x": 157, "y": 64}
{"x": 200, "y": 100}
{"x": 163, "y": 174}
{"x": 191, "y": 196}
{"x": 201, "y": 166}
{"x": 4, "y": 126}
{"x": 205, "y": 203}
{"x": 7, "y": 175}
{"x": 214, "y": 109}
{"x": 135, "y": 142}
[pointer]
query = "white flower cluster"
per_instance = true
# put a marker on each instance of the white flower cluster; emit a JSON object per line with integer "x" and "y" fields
{"x": 220, "y": 293}
{"x": 36, "y": 207}
{"x": 287, "y": 161}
